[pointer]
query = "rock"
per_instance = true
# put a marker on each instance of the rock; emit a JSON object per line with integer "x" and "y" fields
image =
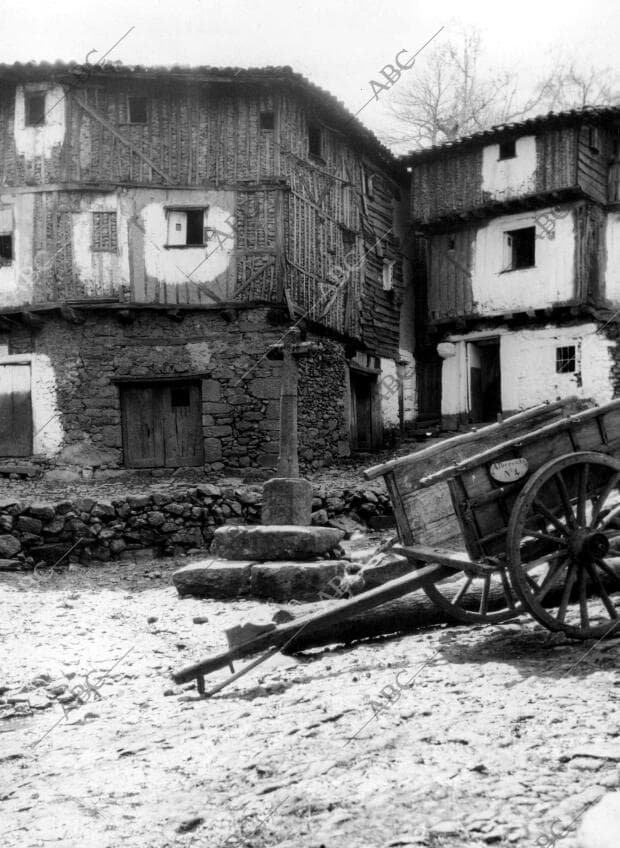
{"x": 155, "y": 518}
{"x": 608, "y": 751}
{"x": 200, "y": 619}
{"x": 25, "y": 524}
{"x": 54, "y": 526}
{"x": 346, "y": 524}
{"x": 6, "y": 522}
{"x": 214, "y": 578}
{"x": 283, "y": 542}
{"x": 103, "y": 510}
{"x": 209, "y": 491}
{"x": 9, "y": 546}
{"x": 11, "y": 565}
{"x": 287, "y": 501}
{"x": 319, "y": 517}
{"x": 300, "y": 581}
{"x": 42, "y": 510}
{"x": 384, "y": 567}
{"x": 600, "y": 826}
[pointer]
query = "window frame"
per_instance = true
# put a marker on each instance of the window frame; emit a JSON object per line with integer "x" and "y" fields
{"x": 264, "y": 113}
{"x": 511, "y": 143}
{"x": 29, "y": 96}
{"x": 184, "y": 210}
{"x": 132, "y": 97}
{"x": 510, "y": 249}
{"x": 563, "y": 359}
{"x": 315, "y": 130}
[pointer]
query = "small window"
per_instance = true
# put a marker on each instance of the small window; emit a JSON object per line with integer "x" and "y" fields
{"x": 179, "y": 397}
{"x": 35, "y": 109}
{"x": 267, "y": 121}
{"x": 6, "y": 249}
{"x": 594, "y": 139}
{"x": 508, "y": 149}
{"x": 314, "y": 140}
{"x": 388, "y": 274}
{"x": 451, "y": 243}
{"x": 186, "y": 227}
{"x": 104, "y": 232}
{"x": 565, "y": 359}
{"x": 520, "y": 248}
{"x": 137, "y": 110}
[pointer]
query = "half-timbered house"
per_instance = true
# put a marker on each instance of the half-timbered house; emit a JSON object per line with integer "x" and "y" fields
{"x": 160, "y": 228}
{"x": 517, "y": 266}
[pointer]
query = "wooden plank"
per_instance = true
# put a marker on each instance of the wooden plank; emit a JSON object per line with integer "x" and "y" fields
{"x": 143, "y": 440}
{"x": 15, "y": 410}
{"x": 466, "y": 443}
{"x": 181, "y": 417}
{"x": 541, "y": 434}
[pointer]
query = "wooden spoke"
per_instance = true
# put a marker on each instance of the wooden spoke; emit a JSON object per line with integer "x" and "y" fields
{"x": 546, "y": 537}
{"x": 608, "y": 571}
{"x": 611, "y": 485}
{"x": 484, "y": 600}
{"x": 545, "y": 558}
{"x": 462, "y": 589}
{"x": 543, "y": 510}
{"x": 582, "y": 494}
{"x": 568, "y": 586}
{"x": 601, "y": 591}
{"x": 549, "y": 580}
{"x": 531, "y": 582}
{"x": 568, "y": 509}
{"x": 507, "y": 590}
{"x": 611, "y": 515}
{"x": 583, "y": 599}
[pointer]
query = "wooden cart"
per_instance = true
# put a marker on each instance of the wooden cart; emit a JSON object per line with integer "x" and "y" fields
{"x": 519, "y": 516}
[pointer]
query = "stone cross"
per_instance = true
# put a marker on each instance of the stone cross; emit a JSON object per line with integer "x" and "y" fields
{"x": 287, "y": 499}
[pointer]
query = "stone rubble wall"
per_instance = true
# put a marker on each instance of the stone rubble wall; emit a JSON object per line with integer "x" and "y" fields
{"x": 172, "y": 523}
{"x": 76, "y": 396}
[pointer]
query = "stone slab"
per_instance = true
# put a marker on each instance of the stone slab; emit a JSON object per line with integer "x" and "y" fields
{"x": 214, "y": 578}
{"x": 295, "y": 581}
{"x": 267, "y": 543}
{"x": 287, "y": 500}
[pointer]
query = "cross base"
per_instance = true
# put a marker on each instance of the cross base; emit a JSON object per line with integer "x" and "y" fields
{"x": 287, "y": 500}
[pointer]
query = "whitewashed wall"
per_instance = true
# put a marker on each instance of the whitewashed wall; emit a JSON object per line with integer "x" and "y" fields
{"x": 612, "y": 271}
{"x": 504, "y": 178}
{"x": 551, "y": 280}
{"x": 528, "y": 367}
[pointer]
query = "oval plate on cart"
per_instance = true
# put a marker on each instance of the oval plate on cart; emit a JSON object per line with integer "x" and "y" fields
{"x": 510, "y": 470}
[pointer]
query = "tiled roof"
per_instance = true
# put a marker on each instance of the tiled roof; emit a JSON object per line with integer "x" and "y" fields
{"x": 501, "y": 130}
{"x": 283, "y": 74}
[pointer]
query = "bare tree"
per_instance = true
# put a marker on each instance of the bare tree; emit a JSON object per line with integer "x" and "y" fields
{"x": 449, "y": 94}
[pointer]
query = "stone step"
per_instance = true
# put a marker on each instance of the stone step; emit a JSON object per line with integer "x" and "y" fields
{"x": 214, "y": 578}
{"x": 273, "y": 542}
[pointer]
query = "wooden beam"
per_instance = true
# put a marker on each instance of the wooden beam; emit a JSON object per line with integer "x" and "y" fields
{"x": 74, "y": 316}
{"x": 32, "y": 319}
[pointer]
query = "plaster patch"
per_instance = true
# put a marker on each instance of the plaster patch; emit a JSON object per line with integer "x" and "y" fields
{"x": 40, "y": 140}
{"x": 47, "y": 428}
{"x": 503, "y": 178}
{"x": 199, "y": 353}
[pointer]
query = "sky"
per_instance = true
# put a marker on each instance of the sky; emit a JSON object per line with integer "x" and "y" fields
{"x": 340, "y": 45}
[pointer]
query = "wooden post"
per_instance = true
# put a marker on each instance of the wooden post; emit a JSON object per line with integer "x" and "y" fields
{"x": 288, "y": 461}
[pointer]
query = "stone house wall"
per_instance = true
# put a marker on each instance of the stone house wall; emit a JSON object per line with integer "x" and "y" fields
{"x": 76, "y": 369}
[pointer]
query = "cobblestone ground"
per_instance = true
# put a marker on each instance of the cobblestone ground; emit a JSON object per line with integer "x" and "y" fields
{"x": 482, "y": 736}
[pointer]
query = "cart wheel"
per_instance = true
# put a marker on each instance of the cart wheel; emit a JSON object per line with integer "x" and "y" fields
{"x": 564, "y": 538}
{"x": 468, "y": 597}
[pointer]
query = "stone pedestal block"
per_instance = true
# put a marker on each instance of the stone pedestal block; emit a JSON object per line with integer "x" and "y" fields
{"x": 274, "y": 542}
{"x": 300, "y": 581}
{"x": 287, "y": 500}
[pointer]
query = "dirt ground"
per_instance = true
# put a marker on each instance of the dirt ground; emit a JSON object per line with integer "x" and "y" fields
{"x": 483, "y": 735}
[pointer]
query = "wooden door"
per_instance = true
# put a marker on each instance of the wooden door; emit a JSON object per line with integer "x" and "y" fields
{"x": 182, "y": 430}
{"x": 15, "y": 410}
{"x": 361, "y": 412}
{"x": 143, "y": 439}
{"x": 429, "y": 390}
{"x": 162, "y": 425}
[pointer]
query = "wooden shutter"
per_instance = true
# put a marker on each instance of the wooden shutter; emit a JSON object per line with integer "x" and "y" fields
{"x": 15, "y": 410}
{"x": 182, "y": 421}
